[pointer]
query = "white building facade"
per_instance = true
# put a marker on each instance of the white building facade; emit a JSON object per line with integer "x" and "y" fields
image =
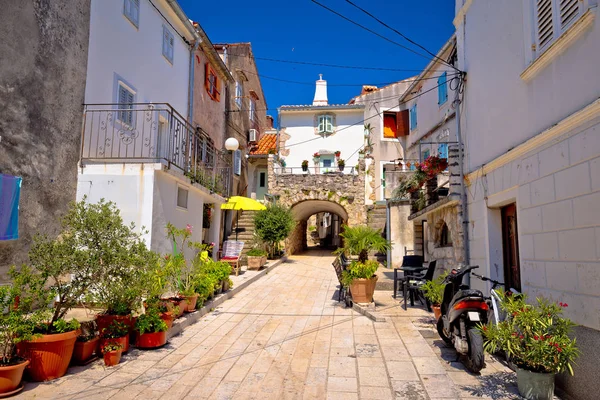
{"x": 531, "y": 120}
{"x": 138, "y": 148}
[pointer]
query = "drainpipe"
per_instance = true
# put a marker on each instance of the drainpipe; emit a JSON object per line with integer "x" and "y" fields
{"x": 191, "y": 80}
{"x": 463, "y": 191}
{"x": 388, "y": 232}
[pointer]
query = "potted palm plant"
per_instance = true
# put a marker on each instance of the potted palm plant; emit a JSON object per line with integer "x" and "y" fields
{"x": 15, "y": 326}
{"x": 112, "y": 354}
{"x": 360, "y": 277}
{"x": 537, "y": 340}
{"x": 151, "y": 329}
{"x": 305, "y": 165}
{"x": 434, "y": 292}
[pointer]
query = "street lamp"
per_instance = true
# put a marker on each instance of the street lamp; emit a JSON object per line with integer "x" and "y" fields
{"x": 232, "y": 144}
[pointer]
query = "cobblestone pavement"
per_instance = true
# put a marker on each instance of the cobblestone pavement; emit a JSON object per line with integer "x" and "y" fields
{"x": 287, "y": 337}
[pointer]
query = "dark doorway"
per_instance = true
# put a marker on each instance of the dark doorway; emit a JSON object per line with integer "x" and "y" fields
{"x": 510, "y": 246}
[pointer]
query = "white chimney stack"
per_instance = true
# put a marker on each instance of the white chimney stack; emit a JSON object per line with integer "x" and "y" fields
{"x": 320, "y": 92}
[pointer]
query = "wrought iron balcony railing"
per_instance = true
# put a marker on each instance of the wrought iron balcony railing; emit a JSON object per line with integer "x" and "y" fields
{"x": 153, "y": 132}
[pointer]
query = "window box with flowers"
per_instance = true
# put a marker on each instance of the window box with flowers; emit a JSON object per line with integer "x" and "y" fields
{"x": 537, "y": 340}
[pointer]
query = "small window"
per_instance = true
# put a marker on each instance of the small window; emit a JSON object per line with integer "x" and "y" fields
{"x": 442, "y": 88}
{"x": 168, "y": 44}
{"x": 125, "y": 107}
{"x": 238, "y": 94}
{"x": 413, "y": 117}
{"x": 131, "y": 9}
{"x": 211, "y": 83}
{"x": 445, "y": 236}
{"x": 252, "y": 110}
{"x": 326, "y": 161}
{"x": 325, "y": 124}
{"x": 263, "y": 179}
{"x": 390, "y": 126}
{"x": 182, "y": 197}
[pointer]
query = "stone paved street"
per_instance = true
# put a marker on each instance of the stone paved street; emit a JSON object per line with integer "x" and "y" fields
{"x": 287, "y": 337}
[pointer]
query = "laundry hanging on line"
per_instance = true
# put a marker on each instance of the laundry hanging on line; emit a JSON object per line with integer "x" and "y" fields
{"x": 10, "y": 192}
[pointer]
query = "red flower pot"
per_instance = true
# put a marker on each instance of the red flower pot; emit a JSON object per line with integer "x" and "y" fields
{"x": 151, "y": 340}
{"x": 105, "y": 320}
{"x": 49, "y": 355}
{"x": 112, "y": 358}
{"x": 191, "y": 303}
{"x": 168, "y": 318}
{"x": 10, "y": 377}
{"x": 123, "y": 341}
{"x": 83, "y": 351}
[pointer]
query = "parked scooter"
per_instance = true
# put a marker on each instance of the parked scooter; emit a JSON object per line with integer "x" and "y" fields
{"x": 462, "y": 310}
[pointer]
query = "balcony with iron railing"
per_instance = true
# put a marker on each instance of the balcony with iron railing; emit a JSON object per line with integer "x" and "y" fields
{"x": 153, "y": 132}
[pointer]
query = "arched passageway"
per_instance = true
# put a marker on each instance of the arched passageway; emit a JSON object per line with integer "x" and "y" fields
{"x": 325, "y": 219}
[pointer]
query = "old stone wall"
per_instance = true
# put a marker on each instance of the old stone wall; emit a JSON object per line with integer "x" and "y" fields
{"x": 43, "y": 66}
{"x": 450, "y": 255}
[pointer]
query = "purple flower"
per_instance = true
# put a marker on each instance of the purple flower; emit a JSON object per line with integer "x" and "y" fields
{"x": 188, "y": 228}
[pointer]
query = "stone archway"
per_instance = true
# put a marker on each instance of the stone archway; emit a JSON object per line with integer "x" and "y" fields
{"x": 303, "y": 210}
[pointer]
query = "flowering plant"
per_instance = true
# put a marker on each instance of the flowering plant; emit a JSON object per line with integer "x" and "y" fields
{"x": 338, "y": 154}
{"x": 432, "y": 165}
{"x": 316, "y": 155}
{"x": 536, "y": 337}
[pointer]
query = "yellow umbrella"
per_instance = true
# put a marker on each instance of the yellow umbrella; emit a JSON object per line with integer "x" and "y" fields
{"x": 241, "y": 203}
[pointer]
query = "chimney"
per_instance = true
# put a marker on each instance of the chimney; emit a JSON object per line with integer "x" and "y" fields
{"x": 320, "y": 92}
{"x": 269, "y": 122}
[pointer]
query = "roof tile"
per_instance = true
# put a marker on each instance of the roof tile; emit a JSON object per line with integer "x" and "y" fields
{"x": 267, "y": 142}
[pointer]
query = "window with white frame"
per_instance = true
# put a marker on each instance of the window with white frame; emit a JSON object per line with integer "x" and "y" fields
{"x": 552, "y": 18}
{"x": 252, "y": 109}
{"x": 326, "y": 160}
{"x": 238, "y": 94}
{"x": 325, "y": 124}
{"x": 125, "y": 100}
{"x": 413, "y": 117}
{"x": 168, "y": 44}
{"x": 182, "y": 197}
{"x": 131, "y": 9}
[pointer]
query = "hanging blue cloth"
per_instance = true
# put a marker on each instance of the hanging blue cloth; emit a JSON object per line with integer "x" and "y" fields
{"x": 10, "y": 191}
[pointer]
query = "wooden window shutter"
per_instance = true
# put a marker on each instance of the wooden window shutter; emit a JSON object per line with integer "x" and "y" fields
{"x": 545, "y": 23}
{"x": 206, "y": 74}
{"x": 402, "y": 122}
{"x": 569, "y": 10}
{"x": 218, "y": 92}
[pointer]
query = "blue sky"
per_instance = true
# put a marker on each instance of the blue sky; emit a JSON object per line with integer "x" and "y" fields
{"x": 300, "y": 30}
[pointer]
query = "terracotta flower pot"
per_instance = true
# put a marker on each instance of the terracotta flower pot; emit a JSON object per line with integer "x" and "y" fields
{"x": 50, "y": 355}
{"x": 112, "y": 358}
{"x": 437, "y": 311}
{"x": 151, "y": 340}
{"x": 83, "y": 351}
{"x": 362, "y": 290}
{"x": 191, "y": 303}
{"x": 168, "y": 318}
{"x": 263, "y": 261}
{"x": 10, "y": 377}
{"x": 123, "y": 341}
{"x": 105, "y": 320}
{"x": 254, "y": 262}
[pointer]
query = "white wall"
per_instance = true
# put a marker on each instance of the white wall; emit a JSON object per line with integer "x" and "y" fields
{"x": 300, "y": 126}
{"x": 118, "y": 49}
{"x": 501, "y": 109}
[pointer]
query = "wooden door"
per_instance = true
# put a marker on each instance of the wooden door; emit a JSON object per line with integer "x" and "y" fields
{"x": 510, "y": 246}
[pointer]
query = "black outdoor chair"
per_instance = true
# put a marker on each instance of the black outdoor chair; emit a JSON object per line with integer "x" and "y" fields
{"x": 412, "y": 286}
{"x": 407, "y": 261}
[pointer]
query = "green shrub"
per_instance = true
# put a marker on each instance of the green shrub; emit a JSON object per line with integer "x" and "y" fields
{"x": 359, "y": 270}
{"x": 150, "y": 322}
{"x": 434, "y": 289}
{"x": 257, "y": 253}
{"x": 274, "y": 224}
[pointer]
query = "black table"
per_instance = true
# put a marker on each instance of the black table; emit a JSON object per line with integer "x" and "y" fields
{"x": 407, "y": 271}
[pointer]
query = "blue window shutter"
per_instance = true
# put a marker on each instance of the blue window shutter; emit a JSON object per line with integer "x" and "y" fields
{"x": 413, "y": 117}
{"x": 442, "y": 88}
{"x": 443, "y": 150}
{"x": 237, "y": 162}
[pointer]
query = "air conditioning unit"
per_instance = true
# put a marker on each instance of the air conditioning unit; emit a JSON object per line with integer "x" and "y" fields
{"x": 252, "y": 135}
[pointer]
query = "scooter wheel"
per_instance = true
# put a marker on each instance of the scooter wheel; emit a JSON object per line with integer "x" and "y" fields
{"x": 476, "y": 357}
{"x": 442, "y": 332}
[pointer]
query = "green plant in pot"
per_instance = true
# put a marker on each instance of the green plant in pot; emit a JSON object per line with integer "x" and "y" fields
{"x": 15, "y": 326}
{"x": 112, "y": 354}
{"x": 360, "y": 277}
{"x": 537, "y": 338}
{"x": 151, "y": 329}
{"x": 116, "y": 332}
{"x": 255, "y": 258}
{"x": 273, "y": 225}
{"x": 434, "y": 292}
{"x": 304, "y": 165}
{"x": 341, "y": 165}
{"x": 63, "y": 271}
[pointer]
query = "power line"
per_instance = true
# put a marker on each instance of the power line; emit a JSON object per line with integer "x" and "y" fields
{"x": 370, "y": 30}
{"x": 327, "y": 65}
{"x": 401, "y": 34}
